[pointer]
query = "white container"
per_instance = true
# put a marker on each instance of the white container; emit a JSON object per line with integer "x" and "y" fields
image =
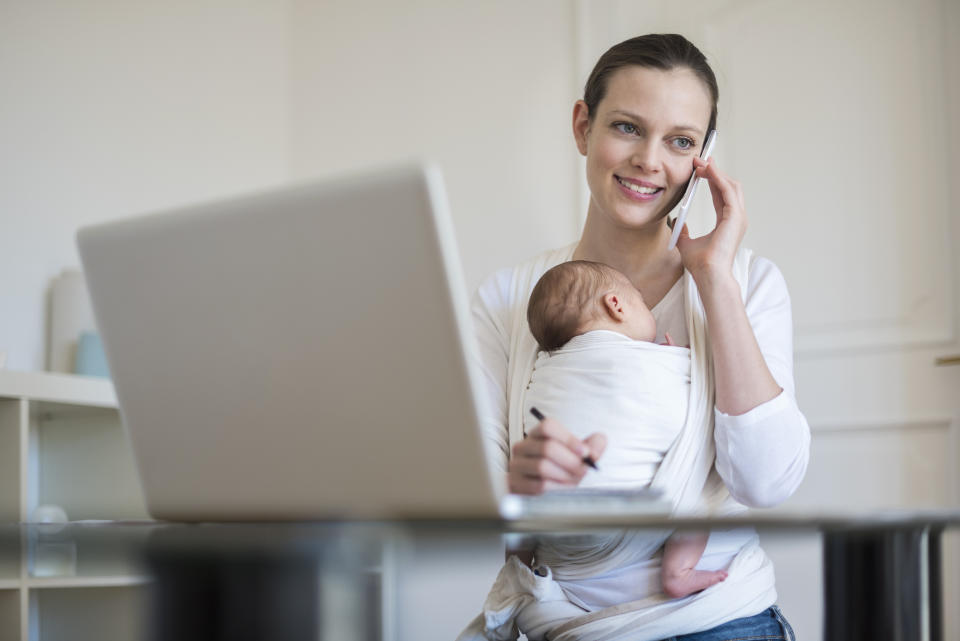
{"x": 70, "y": 315}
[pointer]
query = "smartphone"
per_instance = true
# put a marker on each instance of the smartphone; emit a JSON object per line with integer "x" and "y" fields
{"x": 691, "y": 191}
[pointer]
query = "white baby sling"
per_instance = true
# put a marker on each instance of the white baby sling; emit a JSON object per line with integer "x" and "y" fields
{"x": 537, "y": 604}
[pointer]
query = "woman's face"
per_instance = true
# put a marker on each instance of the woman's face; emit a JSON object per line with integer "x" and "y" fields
{"x": 641, "y": 142}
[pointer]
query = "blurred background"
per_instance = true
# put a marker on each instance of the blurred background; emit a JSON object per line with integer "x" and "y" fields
{"x": 839, "y": 119}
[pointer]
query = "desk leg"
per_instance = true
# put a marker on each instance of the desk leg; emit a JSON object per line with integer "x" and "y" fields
{"x": 197, "y": 598}
{"x": 935, "y": 568}
{"x": 882, "y": 585}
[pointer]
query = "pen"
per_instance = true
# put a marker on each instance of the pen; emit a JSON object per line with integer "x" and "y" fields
{"x": 586, "y": 459}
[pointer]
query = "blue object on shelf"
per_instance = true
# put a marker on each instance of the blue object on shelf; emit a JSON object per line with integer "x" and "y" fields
{"x": 91, "y": 361}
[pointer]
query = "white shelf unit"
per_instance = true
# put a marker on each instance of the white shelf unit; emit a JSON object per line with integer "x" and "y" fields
{"x": 62, "y": 443}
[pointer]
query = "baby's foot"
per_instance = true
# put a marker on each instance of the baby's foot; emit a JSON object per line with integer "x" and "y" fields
{"x": 689, "y": 581}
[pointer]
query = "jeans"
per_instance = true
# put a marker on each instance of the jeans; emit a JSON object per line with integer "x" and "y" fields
{"x": 769, "y": 625}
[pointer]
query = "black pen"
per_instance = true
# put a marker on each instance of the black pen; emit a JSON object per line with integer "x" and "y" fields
{"x": 586, "y": 459}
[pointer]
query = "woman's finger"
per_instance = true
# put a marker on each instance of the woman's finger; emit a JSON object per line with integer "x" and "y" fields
{"x": 684, "y": 236}
{"x": 539, "y": 467}
{"x": 548, "y": 470}
{"x": 597, "y": 442}
{"x": 726, "y": 200}
{"x": 552, "y": 450}
{"x": 527, "y": 485}
{"x": 715, "y": 194}
{"x": 549, "y": 428}
{"x": 562, "y": 456}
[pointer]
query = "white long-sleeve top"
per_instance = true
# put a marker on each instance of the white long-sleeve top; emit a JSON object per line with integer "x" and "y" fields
{"x": 762, "y": 455}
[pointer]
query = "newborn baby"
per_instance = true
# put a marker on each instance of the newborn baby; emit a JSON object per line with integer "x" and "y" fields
{"x": 580, "y": 307}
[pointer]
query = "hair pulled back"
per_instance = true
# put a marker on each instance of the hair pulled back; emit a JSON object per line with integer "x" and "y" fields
{"x": 664, "y": 51}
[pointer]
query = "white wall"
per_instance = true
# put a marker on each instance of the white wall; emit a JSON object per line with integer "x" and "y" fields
{"x": 111, "y": 108}
{"x": 484, "y": 88}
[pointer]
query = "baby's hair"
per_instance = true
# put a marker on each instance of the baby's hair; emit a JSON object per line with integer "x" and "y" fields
{"x": 565, "y": 298}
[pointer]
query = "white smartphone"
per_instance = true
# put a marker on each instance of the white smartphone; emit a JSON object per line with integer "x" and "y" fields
{"x": 691, "y": 190}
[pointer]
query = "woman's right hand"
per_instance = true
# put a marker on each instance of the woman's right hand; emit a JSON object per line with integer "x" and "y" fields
{"x": 549, "y": 457}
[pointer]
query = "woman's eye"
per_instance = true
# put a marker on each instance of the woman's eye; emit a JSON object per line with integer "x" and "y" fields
{"x": 684, "y": 143}
{"x": 625, "y": 127}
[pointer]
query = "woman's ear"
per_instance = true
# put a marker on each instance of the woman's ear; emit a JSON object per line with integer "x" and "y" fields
{"x": 581, "y": 125}
{"x": 614, "y": 307}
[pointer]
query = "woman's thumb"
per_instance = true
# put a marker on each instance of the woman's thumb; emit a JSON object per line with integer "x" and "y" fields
{"x": 683, "y": 237}
{"x": 597, "y": 444}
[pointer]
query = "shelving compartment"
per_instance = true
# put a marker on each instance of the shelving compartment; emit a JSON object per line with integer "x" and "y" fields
{"x": 89, "y": 613}
{"x": 81, "y": 461}
{"x": 12, "y": 415}
{"x": 10, "y": 555}
{"x": 74, "y": 557}
{"x": 9, "y": 614}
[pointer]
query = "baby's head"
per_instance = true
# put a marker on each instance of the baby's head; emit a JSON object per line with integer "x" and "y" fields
{"x": 579, "y": 296}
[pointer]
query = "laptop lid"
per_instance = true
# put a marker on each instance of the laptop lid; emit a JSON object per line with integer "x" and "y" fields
{"x": 299, "y": 353}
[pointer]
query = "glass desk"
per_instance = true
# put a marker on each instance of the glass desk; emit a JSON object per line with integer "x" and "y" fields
{"x": 882, "y": 573}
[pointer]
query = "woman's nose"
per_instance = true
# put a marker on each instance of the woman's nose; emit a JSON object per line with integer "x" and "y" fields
{"x": 646, "y": 157}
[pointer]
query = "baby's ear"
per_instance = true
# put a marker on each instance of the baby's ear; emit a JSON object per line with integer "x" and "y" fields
{"x": 614, "y": 306}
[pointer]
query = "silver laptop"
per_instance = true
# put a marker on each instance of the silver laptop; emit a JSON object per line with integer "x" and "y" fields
{"x": 302, "y": 353}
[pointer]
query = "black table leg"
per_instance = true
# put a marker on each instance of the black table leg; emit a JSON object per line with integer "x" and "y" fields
{"x": 211, "y": 583}
{"x": 197, "y": 598}
{"x": 935, "y": 565}
{"x": 882, "y": 585}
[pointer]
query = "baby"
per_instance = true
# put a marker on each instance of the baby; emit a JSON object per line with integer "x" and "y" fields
{"x": 578, "y": 297}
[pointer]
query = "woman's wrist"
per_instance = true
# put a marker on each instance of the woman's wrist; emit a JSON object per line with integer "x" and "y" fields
{"x": 715, "y": 281}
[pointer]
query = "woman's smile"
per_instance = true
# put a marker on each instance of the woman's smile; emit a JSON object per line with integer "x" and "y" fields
{"x": 640, "y": 144}
{"x": 638, "y": 189}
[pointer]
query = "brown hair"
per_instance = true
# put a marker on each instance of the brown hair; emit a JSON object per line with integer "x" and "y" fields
{"x": 564, "y": 298}
{"x": 663, "y": 51}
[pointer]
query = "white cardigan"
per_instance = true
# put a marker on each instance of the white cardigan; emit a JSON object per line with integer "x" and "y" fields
{"x": 760, "y": 456}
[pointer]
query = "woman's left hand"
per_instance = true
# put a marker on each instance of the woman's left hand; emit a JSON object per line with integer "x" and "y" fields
{"x": 712, "y": 255}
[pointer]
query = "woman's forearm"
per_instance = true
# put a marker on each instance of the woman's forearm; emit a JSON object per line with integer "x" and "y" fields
{"x": 743, "y": 380}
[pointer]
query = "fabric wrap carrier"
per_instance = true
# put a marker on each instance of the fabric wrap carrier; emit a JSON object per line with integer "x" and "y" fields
{"x": 521, "y": 600}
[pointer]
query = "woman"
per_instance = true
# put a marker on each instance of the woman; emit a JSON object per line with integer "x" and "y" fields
{"x": 648, "y": 106}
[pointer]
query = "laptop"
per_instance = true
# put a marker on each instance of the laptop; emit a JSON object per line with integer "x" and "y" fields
{"x": 303, "y": 353}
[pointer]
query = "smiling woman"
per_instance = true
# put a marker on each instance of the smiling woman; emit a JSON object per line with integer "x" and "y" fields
{"x": 646, "y": 110}
{"x": 639, "y": 140}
